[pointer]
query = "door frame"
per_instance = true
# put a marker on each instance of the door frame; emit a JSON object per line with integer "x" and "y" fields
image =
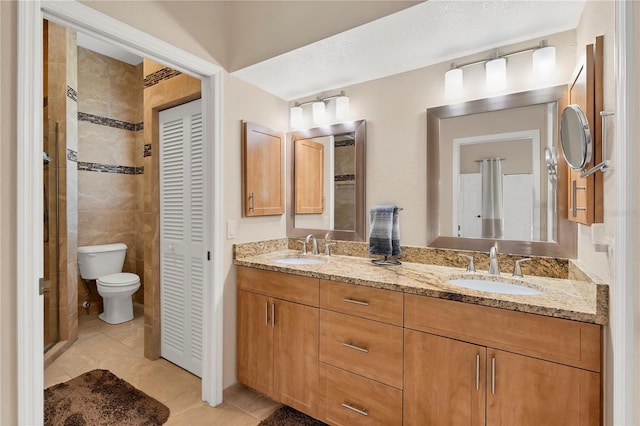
{"x": 74, "y": 15}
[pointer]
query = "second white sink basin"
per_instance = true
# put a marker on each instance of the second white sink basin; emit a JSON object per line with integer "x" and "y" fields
{"x": 300, "y": 261}
{"x": 494, "y": 287}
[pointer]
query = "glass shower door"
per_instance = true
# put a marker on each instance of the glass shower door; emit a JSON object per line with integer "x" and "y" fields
{"x": 51, "y": 235}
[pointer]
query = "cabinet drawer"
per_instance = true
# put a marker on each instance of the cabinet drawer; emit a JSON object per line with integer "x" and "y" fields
{"x": 372, "y": 303}
{"x": 293, "y": 288}
{"x": 567, "y": 342}
{"x": 369, "y": 348}
{"x": 342, "y": 393}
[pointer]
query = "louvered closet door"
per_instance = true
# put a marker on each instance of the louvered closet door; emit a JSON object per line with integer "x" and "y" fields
{"x": 182, "y": 235}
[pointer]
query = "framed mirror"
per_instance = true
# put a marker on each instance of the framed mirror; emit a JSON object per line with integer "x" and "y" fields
{"x": 548, "y": 232}
{"x": 575, "y": 137}
{"x": 326, "y": 182}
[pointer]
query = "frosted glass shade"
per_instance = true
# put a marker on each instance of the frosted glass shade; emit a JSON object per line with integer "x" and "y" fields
{"x": 318, "y": 112}
{"x": 453, "y": 83}
{"x": 295, "y": 116}
{"x": 496, "y": 70}
{"x": 544, "y": 63}
{"x": 342, "y": 107}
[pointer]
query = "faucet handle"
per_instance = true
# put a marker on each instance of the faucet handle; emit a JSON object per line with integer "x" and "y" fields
{"x": 327, "y": 251}
{"x": 470, "y": 266}
{"x": 304, "y": 245}
{"x": 517, "y": 272}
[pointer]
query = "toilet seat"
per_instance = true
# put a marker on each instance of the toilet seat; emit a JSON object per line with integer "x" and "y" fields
{"x": 118, "y": 280}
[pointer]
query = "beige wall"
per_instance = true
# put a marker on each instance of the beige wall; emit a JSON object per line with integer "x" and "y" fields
{"x": 110, "y": 204}
{"x": 243, "y": 101}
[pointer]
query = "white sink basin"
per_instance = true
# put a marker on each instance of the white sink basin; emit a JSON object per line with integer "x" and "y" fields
{"x": 300, "y": 261}
{"x": 494, "y": 287}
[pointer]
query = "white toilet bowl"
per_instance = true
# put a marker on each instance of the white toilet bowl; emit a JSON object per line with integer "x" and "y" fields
{"x": 116, "y": 291}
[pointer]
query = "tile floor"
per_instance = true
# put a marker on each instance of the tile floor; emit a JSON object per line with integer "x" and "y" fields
{"x": 119, "y": 349}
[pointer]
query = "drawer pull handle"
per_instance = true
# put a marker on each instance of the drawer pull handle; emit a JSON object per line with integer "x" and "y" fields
{"x": 357, "y": 348}
{"x": 493, "y": 376}
{"x": 351, "y": 407}
{"x": 266, "y": 313}
{"x": 356, "y": 302}
{"x": 477, "y": 371}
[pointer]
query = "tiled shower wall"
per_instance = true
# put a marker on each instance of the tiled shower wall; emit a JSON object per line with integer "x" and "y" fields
{"x": 110, "y": 162}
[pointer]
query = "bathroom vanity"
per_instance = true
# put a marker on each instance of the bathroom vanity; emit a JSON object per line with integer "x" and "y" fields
{"x": 349, "y": 342}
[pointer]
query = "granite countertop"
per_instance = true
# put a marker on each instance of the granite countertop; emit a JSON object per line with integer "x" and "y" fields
{"x": 561, "y": 298}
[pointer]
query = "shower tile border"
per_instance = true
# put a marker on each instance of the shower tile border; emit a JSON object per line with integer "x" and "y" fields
{"x": 72, "y": 155}
{"x": 159, "y": 76}
{"x": 85, "y": 166}
{"x": 147, "y": 150}
{"x": 110, "y": 122}
{"x": 72, "y": 93}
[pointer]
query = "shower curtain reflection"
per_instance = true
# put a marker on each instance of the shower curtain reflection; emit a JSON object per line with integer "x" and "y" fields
{"x": 51, "y": 233}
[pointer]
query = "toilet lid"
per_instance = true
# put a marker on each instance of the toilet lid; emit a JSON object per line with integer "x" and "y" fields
{"x": 117, "y": 280}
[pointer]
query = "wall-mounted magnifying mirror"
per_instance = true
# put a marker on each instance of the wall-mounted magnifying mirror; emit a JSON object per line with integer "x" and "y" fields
{"x": 575, "y": 137}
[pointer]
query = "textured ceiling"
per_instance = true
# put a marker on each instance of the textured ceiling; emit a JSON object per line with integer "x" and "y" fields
{"x": 422, "y": 35}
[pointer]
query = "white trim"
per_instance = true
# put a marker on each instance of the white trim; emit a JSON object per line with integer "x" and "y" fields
{"x": 30, "y": 310}
{"x": 524, "y": 135}
{"x": 622, "y": 314}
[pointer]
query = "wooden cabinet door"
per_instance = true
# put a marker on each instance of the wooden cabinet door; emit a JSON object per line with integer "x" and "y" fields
{"x": 586, "y": 194}
{"x": 295, "y": 343}
{"x": 530, "y": 391}
{"x": 444, "y": 381}
{"x": 255, "y": 342}
{"x": 262, "y": 170}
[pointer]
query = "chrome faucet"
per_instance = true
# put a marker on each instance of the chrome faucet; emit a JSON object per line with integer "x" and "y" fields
{"x": 493, "y": 261}
{"x": 312, "y": 237}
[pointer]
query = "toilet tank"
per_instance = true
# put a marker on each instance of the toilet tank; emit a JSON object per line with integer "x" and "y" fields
{"x": 97, "y": 261}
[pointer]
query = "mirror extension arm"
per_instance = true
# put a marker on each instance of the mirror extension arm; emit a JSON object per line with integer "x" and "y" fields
{"x": 604, "y": 165}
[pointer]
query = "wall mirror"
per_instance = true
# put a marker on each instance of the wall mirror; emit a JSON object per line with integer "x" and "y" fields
{"x": 488, "y": 179}
{"x": 326, "y": 182}
{"x": 575, "y": 137}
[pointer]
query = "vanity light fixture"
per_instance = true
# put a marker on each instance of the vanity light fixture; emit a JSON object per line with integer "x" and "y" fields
{"x": 453, "y": 83}
{"x": 543, "y": 60}
{"x": 319, "y": 110}
{"x": 342, "y": 107}
{"x": 496, "y": 76}
{"x": 296, "y": 116}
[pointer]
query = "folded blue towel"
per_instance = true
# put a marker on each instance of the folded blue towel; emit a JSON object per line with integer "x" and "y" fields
{"x": 384, "y": 230}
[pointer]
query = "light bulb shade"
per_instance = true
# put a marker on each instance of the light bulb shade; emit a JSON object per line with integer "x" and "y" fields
{"x": 453, "y": 83}
{"x": 496, "y": 70}
{"x": 318, "y": 112}
{"x": 544, "y": 63}
{"x": 342, "y": 107}
{"x": 295, "y": 116}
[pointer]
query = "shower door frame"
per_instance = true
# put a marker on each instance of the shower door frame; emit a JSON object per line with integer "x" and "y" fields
{"x": 30, "y": 377}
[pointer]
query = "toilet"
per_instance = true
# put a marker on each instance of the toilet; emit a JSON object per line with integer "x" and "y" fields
{"x": 103, "y": 263}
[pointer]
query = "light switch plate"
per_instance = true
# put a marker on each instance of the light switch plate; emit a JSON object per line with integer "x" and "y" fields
{"x": 232, "y": 226}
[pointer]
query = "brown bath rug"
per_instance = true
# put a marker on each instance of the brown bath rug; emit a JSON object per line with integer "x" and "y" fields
{"x": 287, "y": 416}
{"x": 100, "y": 398}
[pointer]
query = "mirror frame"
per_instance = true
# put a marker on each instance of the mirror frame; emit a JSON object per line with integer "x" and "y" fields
{"x": 358, "y": 127}
{"x": 567, "y": 234}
